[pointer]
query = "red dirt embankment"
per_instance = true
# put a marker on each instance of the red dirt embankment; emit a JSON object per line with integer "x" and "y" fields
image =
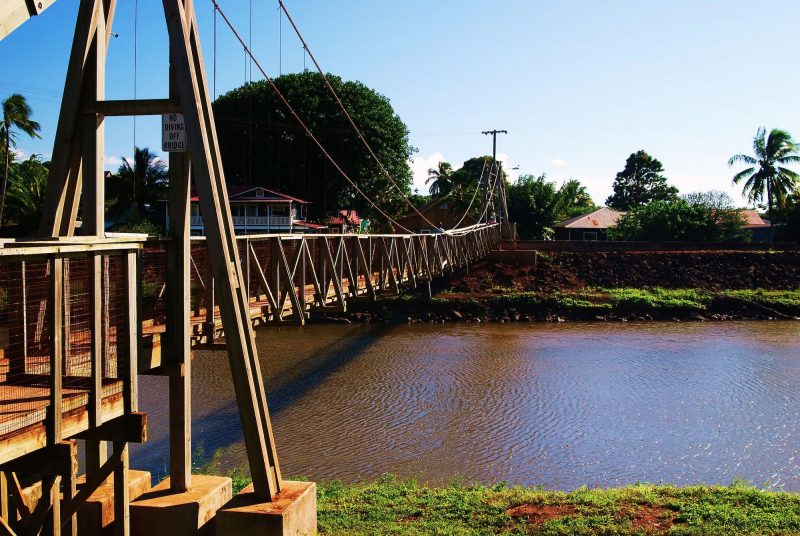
{"x": 565, "y": 271}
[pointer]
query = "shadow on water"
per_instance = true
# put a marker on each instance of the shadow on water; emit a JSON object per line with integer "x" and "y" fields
{"x": 222, "y": 428}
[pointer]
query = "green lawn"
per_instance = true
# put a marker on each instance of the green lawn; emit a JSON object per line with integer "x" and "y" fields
{"x": 392, "y": 506}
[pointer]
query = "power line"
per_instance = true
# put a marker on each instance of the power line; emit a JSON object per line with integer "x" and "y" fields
{"x": 292, "y": 111}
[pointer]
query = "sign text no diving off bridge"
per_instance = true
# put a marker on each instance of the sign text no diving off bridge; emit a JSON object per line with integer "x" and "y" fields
{"x": 173, "y": 133}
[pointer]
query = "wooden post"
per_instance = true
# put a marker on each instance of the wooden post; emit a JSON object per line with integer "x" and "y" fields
{"x": 17, "y": 354}
{"x": 56, "y": 350}
{"x": 132, "y": 295}
{"x": 121, "y": 493}
{"x": 96, "y": 450}
{"x": 178, "y": 316}
{"x": 224, "y": 260}
{"x": 5, "y": 513}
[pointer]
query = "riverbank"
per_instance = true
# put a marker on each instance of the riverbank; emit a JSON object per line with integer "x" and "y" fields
{"x": 393, "y": 506}
{"x": 593, "y": 304}
{"x": 605, "y": 286}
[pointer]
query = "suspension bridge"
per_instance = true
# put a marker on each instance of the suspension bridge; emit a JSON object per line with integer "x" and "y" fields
{"x": 83, "y": 317}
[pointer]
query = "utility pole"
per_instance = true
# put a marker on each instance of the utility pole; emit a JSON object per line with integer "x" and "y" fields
{"x": 503, "y": 208}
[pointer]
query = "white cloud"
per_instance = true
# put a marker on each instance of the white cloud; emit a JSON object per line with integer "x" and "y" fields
{"x": 420, "y": 166}
{"x": 19, "y": 154}
{"x": 558, "y": 162}
{"x": 508, "y": 166}
{"x": 112, "y": 163}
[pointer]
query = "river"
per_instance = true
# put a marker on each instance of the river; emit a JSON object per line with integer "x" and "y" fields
{"x": 557, "y": 405}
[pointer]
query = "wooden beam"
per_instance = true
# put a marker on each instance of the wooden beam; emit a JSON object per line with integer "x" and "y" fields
{"x": 58, "y": 459}
{"x": 64, "y": 183}
{"x": 178, "y": 278}
{"x": 14, "y": 13}
{"x": 93, "y": 134}
{"x": 128, "y": 428}
{"x": 130, "y": 107}
{"x": 224, "y": 260}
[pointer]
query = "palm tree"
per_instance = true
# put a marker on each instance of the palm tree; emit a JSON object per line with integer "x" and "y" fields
{"x": 16, "y": 114}
{"x": 441, "y": 179}
{"x": 766, "y": 172}
{"x": 145, "y": 179}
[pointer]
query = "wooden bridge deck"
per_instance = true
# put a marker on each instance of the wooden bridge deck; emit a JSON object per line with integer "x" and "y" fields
{"x": 287, "y": 277}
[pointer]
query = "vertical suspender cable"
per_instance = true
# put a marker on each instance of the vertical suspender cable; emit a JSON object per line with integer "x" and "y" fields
{"x": 250, "y": 102}
{"x": 215, "y": 51}
{"x": 305, "y": 128}
{"x": 135, "y": 87}
{"x": 349, "y": 118}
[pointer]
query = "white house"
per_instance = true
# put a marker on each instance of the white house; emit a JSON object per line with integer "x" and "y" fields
{"x": 258, "y": 210}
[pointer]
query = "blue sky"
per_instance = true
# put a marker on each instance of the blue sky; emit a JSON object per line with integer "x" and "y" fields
{"x": 579, "y": 85}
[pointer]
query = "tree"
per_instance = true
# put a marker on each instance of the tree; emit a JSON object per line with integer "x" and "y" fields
{"x": 143, "y": 181}
{"x": 575, "y": 199}
{"x": 767, "y": 173}
{"x": 441, "y": 179}
{"x": 262, "y": 144}
{"x": 640, "y": 183}
{"x": 534, "y": 204}
{"x": 473, "y": 174}
{"x": 26, "y": 191}
{"x": 679, "y": 219}
{"x": 16, "y": 115}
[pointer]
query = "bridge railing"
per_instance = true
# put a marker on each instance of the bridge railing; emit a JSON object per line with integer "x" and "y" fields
{"x": 289, "y": 275}
{"x": 68, "y": 338}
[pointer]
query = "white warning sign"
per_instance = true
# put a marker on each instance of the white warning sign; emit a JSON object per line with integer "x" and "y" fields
{"x": 173, "y": 133}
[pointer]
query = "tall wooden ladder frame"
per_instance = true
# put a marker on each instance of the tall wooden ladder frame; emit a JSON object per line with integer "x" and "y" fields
{"x": 77, "y": 181}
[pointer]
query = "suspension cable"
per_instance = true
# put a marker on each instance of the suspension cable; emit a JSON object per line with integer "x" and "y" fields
{"x": 302, "y": 124}
{"x": 474, "y": 195}
{"x": 349, "y": 117}
{"x": 491, "y": 191}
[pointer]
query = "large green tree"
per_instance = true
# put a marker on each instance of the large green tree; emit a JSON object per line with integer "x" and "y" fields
{"x": 262, "y": 144}
{"x": 16, "y": 116}
{"x": 766, "y": 173}
{"x": 641, "y": 182}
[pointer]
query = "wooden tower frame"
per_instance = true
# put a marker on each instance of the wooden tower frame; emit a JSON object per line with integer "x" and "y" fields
{"x": 77, "y": 182}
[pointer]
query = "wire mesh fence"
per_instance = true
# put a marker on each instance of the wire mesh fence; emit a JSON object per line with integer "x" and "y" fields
{"x": 87, "y": 304}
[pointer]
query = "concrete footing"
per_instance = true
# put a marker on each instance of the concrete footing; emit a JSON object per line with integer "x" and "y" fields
{"x": 162, "y": 511}
{"x": 292, "y": 513}
{"x": 96, "y": 515}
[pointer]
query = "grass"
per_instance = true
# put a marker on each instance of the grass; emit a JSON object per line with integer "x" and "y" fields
{"x": 392, "y": 506}
{"x": 626, "y": 301}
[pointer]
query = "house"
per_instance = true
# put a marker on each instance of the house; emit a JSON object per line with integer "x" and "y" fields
{"x": 591, "y": 226}
{"x": 753, "y": 222}
{"x": 440, "y": 212}
{"x": 258, "y": 210}
{"x": 348, "y": 221}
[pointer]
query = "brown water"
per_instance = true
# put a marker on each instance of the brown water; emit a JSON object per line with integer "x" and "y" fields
{"x": 553, "y": 405}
